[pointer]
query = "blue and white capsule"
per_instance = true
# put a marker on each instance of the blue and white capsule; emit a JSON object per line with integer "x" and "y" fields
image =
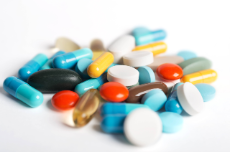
{"x": 48, "y": 64}
{"x": 113, "y": 123}
{"x": 32, "y": 66}
{"x": 22, "y": 91}
{"x": 69, "y": 60}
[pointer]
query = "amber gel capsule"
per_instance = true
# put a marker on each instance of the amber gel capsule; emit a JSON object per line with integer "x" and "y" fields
{"x": 86, "y": 108}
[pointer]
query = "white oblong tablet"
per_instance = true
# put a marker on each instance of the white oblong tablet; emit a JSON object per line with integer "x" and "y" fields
{"x": 190, "y": 98}
{"x": 121, "y": 46}
{"x": 138, "y": 58}
{"x": 65, "y": 44}
{"x": 123, "y": 74}
{"x": 143, "y": 127}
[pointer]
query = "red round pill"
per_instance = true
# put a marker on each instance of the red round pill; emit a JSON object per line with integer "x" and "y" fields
{"x": 65, "y": 100}
{"x": 169, "y": 71}
{"x": 114, "y": 92}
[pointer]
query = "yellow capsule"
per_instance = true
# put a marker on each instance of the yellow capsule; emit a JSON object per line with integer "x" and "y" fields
{"x": 204, "y": 76}
{"x": 156, "y": 48}
{"x": 100, "y": 65}
{"x": 96, "y": 54}
{"x": 97, "y": 47}
{"x": 86, "y": 108}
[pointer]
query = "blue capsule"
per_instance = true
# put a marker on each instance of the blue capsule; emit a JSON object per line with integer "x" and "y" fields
{"x": 22, "y": 91}
{"x": 113, "y": 123}
{"x": 32, "y": 66}
{"x": 69, "y": 60}
{"x": 81, "y": 67}
{"x": 48, "y": 64}
{"x": 140, "y": 31}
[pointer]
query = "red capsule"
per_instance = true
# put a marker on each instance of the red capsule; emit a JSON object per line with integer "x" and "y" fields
{"x": 114, "y": 92}
{"x": 65, "y": 100}
{"x": 169, "y": 71}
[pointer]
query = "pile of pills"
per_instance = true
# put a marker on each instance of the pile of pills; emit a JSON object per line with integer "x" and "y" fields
{"x": 128, "y": 83}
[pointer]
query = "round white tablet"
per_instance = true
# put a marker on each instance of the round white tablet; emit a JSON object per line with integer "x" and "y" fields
{"x": 138, "y": 58}
{"x": 143, "y": 127}
{"x": 190, "y": 98}
{"x": 123, "y": 74}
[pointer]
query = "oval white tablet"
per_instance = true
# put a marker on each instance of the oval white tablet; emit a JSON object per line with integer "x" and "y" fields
{"x": 190, "y": 98}
{"x": 138, "y": 58}
{"x": 143, "y": 127}
{"x": 121, "y": 46}
{"x": 123, "y": 74}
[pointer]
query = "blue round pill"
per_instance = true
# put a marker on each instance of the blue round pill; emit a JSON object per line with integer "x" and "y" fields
{"x": 172, "y": 122}
{"x": 207, "y": 91}
{"x": 173, "y": 106}
{"x": 187, "y": 54}
{"x": 81, "y": 67}
{"x": 146, "y": 75}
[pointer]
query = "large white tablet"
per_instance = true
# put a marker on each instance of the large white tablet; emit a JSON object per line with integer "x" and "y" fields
{"x": 143, "y": 127}
{"x": 190, "y": 98}
{"x": 123, "y": 74}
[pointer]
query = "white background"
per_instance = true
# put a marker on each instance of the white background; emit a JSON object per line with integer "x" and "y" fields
{"x": 29, "y": 27}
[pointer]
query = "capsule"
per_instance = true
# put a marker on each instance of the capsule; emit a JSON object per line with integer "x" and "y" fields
{"x": 100, "y": 65}
{"x": 113, "y": 123}
{"x": 48, "y": 64}
{"x": 65, "y": 44}
{"x": 140, "y": 31}
{"x": 32, "y": 66}
{"x": 97, "y": 47}
{"x": 86, "y": 108}
{"x": 205, "y": 76}
{"x": 150, "y": 37}
{"x": 156, "y": 48}
{"x": 68, "y": 60}
{"x": 22, "y": 91}
{"x": 119, "y": 108}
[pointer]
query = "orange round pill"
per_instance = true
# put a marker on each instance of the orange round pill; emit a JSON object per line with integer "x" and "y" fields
{"x": 169, "y": 71}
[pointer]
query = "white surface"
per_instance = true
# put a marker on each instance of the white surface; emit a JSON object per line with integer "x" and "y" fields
{"x": 30, "y": 27}
{"x": 190, "y": 98}
{"x": 123, "y": 74}
{"x": 143, "y": 127}
{"x": 138, "y": 58}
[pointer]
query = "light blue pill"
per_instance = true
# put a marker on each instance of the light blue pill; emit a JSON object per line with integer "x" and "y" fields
{"x": 140, "y": 31}
{"x": 155, "y": 99}
{"x": 113, "y": 123}
{"x": 48, "y": 64}
{"x": 207, "y": 91}
{"x": 176, "y": 86}
{"x": 187, "y": 54}
{"x": 146, "y": 75}
{"x": 81, "y": 67}
{"x": 172, "y": 104}
{"x": 172, "y": 122}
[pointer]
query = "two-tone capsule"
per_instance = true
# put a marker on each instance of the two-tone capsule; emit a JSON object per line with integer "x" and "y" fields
{"x": 48, "y": 64}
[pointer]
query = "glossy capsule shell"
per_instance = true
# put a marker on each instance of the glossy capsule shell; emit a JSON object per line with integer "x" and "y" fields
{"x": 113, "y": 123}
{"x": 100, "y": 65}
{"x": 22, "y": 91}
{"x": 156, "y": 48}
{"x": 68, "y": 60}
{"x": 48, "y": 64}
{"x": 32, "y": 66}
{"x": 86, "y": 107}
{"x": 205, "y": 76}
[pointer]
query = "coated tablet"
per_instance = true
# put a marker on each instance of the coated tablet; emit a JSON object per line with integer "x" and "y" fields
{"x": 207, "y": 91}
{"x": 146, "y": 75}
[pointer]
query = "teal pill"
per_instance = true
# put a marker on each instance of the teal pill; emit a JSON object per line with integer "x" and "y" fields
{"x": 172, "y": 122}
{"x": 207, "y": 91}
{"x": 140, "y": 31}
{"x": 187, "y": 54}
{"x": 146, "y": 75}
{"x": 81, "y": 67}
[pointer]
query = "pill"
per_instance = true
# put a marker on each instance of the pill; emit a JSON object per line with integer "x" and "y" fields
{"x": 158, "y": 60}
{"x": 142, "y": 127}
{"x": 81, "y": 67}
{"x": 121, "y": 46}
{"x": 187, "y": 54}
{"x": 54, "y": 80}
{"x": 123, "y": 74}
{"x": 169, "y": 71}
{"x": 113, "y": 64}
{"x": 22, "y": 91}
{"x": 205, "y": 76}
{"x": 207, "y": 91}
{"x": 190, "y": 98}
{"x": 156, "y": 48}
{"x": 69, "y": 60}
{"x": 138, "y": 58}
{"x": 32, "y": 66}
{"x": 195, "y": 64}
{"x": 168, "y": 83}
{"x": 48, "y": 64}
{"x": 150, "y": 37}
{"x": 146, "y": 75}
{"x": 128, "y": 87}
{"x": 86, "y": 107}
{"x": 97, "y": 45}
{"x": 65, "y": 44}
{"x": 137, "y": 92}
{"x": 172, "y": 122}
{"x": 119, "y": 108}
{"x": 140, "y": 31}
{"x": 65, "y": 100}
{"x": 113, "y": 123}
{"x": 93, "y": 83}
{"x": 114, "y": 92}
{"x": 155, "y": 99}
{"x": 99, "y": 66}
{"x": 176, "y": 86}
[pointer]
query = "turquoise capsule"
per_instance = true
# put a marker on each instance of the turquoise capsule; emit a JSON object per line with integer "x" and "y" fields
{"x": 187, "y": 54}
{"x": 48, "y": 64}
{"x": 81, "y": 67}
{"x": 140, "y": 31}
{"x": 113, "y": 123}
{"x": 22, "y": 91}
